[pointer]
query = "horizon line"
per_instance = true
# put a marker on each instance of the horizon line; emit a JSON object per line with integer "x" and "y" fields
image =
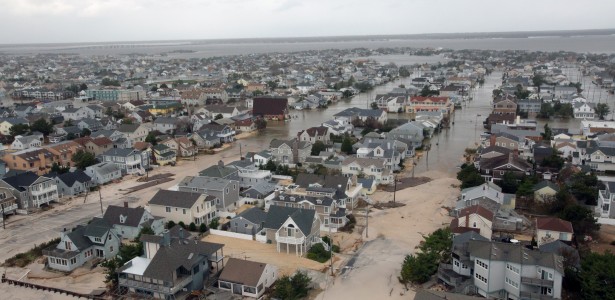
{"x": 425, "y": 35}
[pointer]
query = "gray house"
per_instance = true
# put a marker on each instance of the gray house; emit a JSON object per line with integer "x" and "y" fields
{"x": 31, "y": 190}
{"x": 104, "y": 172}
{"x": 96, "y": 240}
{"x": 295, "y": 229}
{"x": 226, "y": 191}
{"x": 130, "y": 161}
{"x": 73, "y": 183}
{"x": 411, "y": 131}
{"x": 249, "y": 221}
{"x": 128, "y": 221}
{"x": 171, "y": 268}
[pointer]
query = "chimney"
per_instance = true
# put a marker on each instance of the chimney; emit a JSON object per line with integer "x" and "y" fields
{"x": 166, "y": 238}
{"x": 220, "y": 164}
{"x": 518, "y": 120}
{"x": 126, "y": 204}
{"x": 492, "y": 140}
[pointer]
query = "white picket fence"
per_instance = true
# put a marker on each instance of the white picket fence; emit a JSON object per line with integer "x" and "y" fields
{"x": 231, "y": 234}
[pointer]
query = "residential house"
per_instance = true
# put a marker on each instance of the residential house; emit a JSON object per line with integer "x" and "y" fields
{"x": 493, "y": 169}
{"x": 346, "y": 189}
{"x": 63, "y": 152}
{"x": 94, "y": 111}
{"x": 129, "y": 221}
{"x": 104, "y": 172}
{"x": 584, "y": 110}
{"x": 314, "y": 134}
{"x": 164, "y": 155}
{"x": 488, "y": 195}
{"x": 545, "y": 191}
{"x": 247, "y": 278}
{"x": 134, "y": 133}
{"x": 368, "y": 186}
{"x": 290, "y": 228}
{"x": 171, "y": 268}
{"x": 8, "y": 202}
{"x": 181, "y": 206}
{"x": 505, "y": 107}
{"x": 331, "y": 215}
{"x": 549, "y": 229}
{"x": 226, "y": 192}
{"x": 7, "y": 123}
{"x": 130, "y": 161}
{"x": 96, "y": 240}
{"x": 75, "y": 114}
{"x": 73, "y": 183}
{"x": 413, "y": 132}
{"x": 474, "y": 218}
{"x": 391, "y": 151}
{"x": 245, "y": 125}
{"x": 26, "y": 142}
{"x": 419, "y": 103}
{"x": 259, "y": 158}
{"x": 212, "y": 111}
{"x": 290, "y": 151}
{"x": 224, "y": 133}
{"x": 606, "y": 197}
{"x": 36, "y": 160}
{"x": 372, "y": 168}
{"x": 182, "y": 146}
{"x": 31, "y": 190}
{"x": 350, "y": 114}
{"x": 166, "y": 124}
{"x": 249, "y": 221}
{"x": 530, "y": 106}
{"x": 98, "y": 146}
{"x": 205, "y": 139}
{"x": 270, "y": 108}
{"x": 511, "y": 271}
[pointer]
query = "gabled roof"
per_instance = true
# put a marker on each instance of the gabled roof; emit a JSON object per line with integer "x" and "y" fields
{"x": 244, "y": 272}
{"x": 97, "y": 228}
{"x": 218, "y": 171}
{"x": 128, "y": 128}
{"x": 254, "y": 215}
{"x": 553, "y": 224}
{"x": 104, "y": 168}
{"x": 476, "y": 209}
{"x": 69, "y": 178}
{"x": 277, "y": 215}
{"x": 546, "y": 183}
{"x": 22, "y": 180}
{"x": 175, "y": 198}
{"x": 263, "y": 106}
{"x": 515, "y": 253}
{"x": 132, "y": 215}
{"x": 180, "y": 253}
{"x": 120, "y": 152}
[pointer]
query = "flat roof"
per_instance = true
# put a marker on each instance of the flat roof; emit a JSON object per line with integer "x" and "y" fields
{"x": 139, "y": 264}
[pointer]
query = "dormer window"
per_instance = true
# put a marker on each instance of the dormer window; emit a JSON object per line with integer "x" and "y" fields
{"x": 292, "y": 198}
{"x": 281, "y": 197}
{"x": 123, "y": 219}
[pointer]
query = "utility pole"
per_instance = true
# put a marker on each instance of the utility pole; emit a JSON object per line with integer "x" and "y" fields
{"x": 100, "y": 200}
{"x": 3, "y": 217}
{"x": 240, "y": 152}
{"x": 367, "y": 221}
{"x": 394, "y": 188}
{"x": 330, "y": 249}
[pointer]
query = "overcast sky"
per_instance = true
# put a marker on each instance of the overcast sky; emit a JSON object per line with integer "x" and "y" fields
{"x": 49, "y": 21}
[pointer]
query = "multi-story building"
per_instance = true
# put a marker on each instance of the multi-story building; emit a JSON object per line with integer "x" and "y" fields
{"x": 31, "y": 190}
{"x": 130, "y": 161}
{"x": 605, "y": 209}
{"x": 186, "y": 207}
{"x": 226, "y": 192}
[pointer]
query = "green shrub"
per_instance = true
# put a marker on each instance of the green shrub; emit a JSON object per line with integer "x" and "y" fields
{"x": 318, "y": 253}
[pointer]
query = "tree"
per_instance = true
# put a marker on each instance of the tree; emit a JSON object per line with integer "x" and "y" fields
{"x": 126, "y": 253}
{"x": 546, "y": 111}
{"x": 84, "y": 159}
{"x": 553, "y": 160}
{"x": 41, "y": 125}
{"x": 374, "y": 105}
{"x": 427, "y": 92}
{"x": 218, "y": 117}
{"x": 403, "y": 72}
{"x": 19, "y": 129}
{"x": 434, "y": 250}
{"x": 602, "y": 109}
{"x": 109, "y": 111}
{"x": 547, "y": 135}
{"x": 164, "y": 86}
{"x": 192, "y": 227}
{"x": 470, "y": 177}
{"x": 70, "y": 136}
{"x": 151, "y": 138}
{"x": 110, "y": 82}
{"x": 597, "y": 276}
{"x": 86, "y": 132}
{"x": 170, "y": 224}
{"x": 582, "y": 219}
{"x": 202, "y": 228}
{"x": 292, "y": 288}
{"x": 57, "y": 168}
{"x": 346, "y": 94}
{"x": 214, "y": 223}
{"x": 260, "y": 123}
{"x": 127, "y": 121}
{"x": 347, "y": 145}
{"x": 317, "y": 147}
{"x": 538, "y": 80}
{"x": 509, "y": 183}
{"x": 83, "y": 87}
{"x": 68, "y": 123}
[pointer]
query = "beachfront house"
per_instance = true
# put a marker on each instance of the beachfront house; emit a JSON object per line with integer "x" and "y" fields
{"x": 247, "y": 278}
{"x": 181, "y": 206}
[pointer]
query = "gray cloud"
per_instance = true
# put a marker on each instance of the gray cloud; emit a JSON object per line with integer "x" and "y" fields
{"x": 45, "y": 21}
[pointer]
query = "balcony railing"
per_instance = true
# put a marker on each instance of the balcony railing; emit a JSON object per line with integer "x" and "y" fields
{"x": 183, "y": 281}
{"x": 289, "y": 239}
{"x": 537, "y": 281}
{"x": 534, "y": 296}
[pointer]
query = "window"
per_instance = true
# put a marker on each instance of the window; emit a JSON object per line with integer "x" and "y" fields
{"x": 184, "y": 211}
{"x": 168, "y": 209}
{"x": 482, "y": 264}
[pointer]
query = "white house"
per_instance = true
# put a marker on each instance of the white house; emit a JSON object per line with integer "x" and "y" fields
{"x": 247, "y": 278}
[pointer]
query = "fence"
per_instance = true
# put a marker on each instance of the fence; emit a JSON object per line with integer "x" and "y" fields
{"x": 231, "y": 234}
{"x": 45, "y": 288}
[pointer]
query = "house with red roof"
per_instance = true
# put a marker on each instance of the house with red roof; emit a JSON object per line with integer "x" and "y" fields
{"x": 550, "y": 229}
{"x": 474, "y": 218}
